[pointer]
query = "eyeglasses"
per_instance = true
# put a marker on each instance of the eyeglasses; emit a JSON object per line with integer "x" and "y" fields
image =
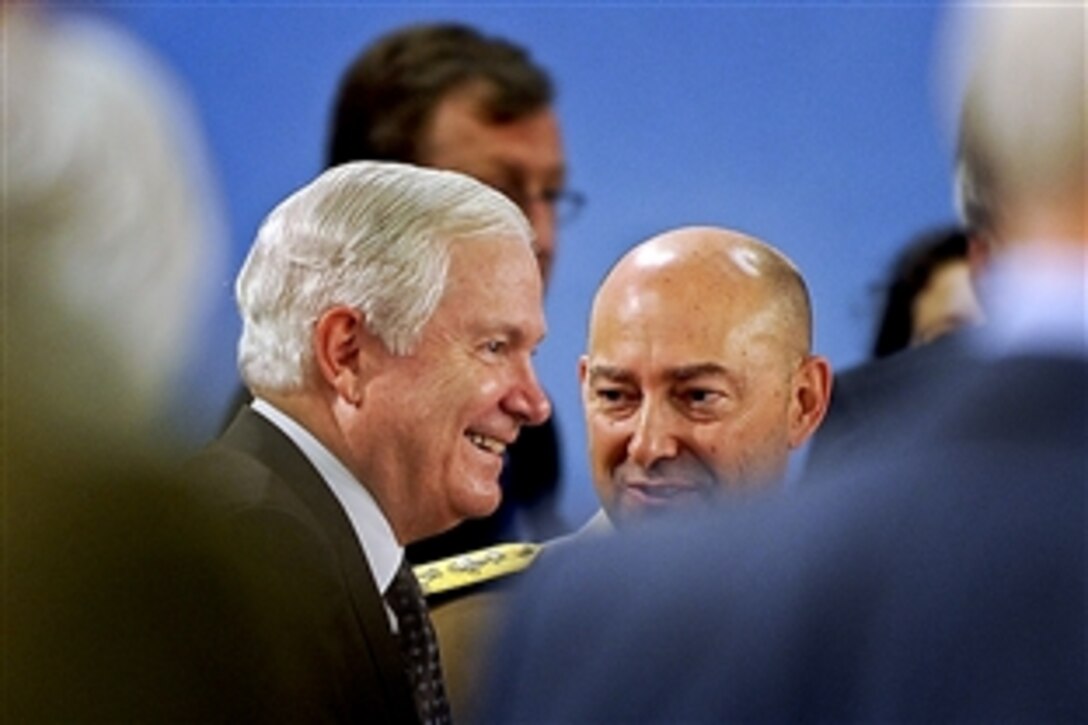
{"x": 565, "y": 204}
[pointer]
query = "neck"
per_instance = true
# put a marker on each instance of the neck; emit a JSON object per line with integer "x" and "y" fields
{"x": 315, "y": 412}
{"x": 1051, "y": 222}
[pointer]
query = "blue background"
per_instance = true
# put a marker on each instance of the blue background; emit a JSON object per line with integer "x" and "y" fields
{"x": 814, "y": 127}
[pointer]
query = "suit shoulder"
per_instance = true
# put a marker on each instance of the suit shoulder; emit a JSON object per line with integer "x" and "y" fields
{"x": 466, "y": 572}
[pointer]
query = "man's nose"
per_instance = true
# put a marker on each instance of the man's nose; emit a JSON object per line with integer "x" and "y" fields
{"x": 527, "y": 400}
{"x": 654, "y": 437}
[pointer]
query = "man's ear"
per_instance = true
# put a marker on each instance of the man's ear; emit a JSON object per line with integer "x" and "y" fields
{"x": 979, "y": 254}
{"x": 341, "y": 341}
{"x": 810, "y": 398}
{"x": 583, "y": 379}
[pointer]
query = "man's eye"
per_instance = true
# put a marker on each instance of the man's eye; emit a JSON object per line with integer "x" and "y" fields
{"x": 701, "y": 396}
{"x": 552, "y": 196}
{"x": 495, "y": 347}
{"x": 611, "y": 397}
{"x": 509, "y": 188}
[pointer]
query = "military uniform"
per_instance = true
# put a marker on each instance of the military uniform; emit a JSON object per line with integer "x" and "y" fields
{"x": 466, "y": 595}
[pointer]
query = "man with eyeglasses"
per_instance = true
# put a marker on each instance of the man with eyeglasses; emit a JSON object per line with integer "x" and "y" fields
{"x": 446, "y": 96}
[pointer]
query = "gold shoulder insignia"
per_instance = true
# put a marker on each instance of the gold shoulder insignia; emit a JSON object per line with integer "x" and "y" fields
{"x": 474, "y": 567}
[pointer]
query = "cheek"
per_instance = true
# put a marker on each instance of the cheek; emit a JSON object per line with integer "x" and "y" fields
{"x": 747, "y": 447}
{"x": 607, "y": 438}
{"x": 720, "y": 446}
{"x": 483, "y": 390}
{"x": 487, "y": 385}
{"x": 450, "y": 388}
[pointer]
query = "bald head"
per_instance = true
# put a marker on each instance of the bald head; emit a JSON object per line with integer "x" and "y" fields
{"x": 701, "y": 271}
{"x": 697, "y": 376}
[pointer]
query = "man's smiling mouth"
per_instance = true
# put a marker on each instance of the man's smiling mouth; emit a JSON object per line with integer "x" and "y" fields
{"x": 486, "y": 443}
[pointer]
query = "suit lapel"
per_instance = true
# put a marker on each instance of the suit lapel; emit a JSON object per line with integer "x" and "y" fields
{"x": 254, "y": 434}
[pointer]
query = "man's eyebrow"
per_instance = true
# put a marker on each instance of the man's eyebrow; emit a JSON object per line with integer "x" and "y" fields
{"x": 514, "y": 171}
{"x": 610, "y": 373}
{"x": 512, "y": 331}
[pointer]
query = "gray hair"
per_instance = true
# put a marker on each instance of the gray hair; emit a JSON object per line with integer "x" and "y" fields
{"x": 112, "y": 230}
{"x": 375, "y": 236}
{"x": 1022, "y": 128}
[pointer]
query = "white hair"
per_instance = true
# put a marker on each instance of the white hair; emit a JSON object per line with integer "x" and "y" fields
{"x": 375, "y": 236}
{"x": 1022, "y": 129}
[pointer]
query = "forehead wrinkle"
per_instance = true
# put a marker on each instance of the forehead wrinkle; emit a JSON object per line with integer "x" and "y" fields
{"x": 690, "y": 371}
{"x": 509, "y": 330}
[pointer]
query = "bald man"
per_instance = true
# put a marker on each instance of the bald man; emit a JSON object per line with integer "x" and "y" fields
{"x": 698, "y": 378}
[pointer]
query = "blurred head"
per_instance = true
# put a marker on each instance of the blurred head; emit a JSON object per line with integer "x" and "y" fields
{"x": 928, "y": 293}
{"x": 698, "y": 375}
{"x": 1021, "y": 161}
{"x": 111, "y": 234}
{"x": 447, "y": 96}
{"x": 945, "y": 304}
{"x": 394, "y": 311}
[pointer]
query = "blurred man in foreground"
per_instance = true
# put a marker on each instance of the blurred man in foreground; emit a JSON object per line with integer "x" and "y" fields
{"x": 940, "y": 579}
{"x": 929, "y": 312}
{"x": 109, "y": 239}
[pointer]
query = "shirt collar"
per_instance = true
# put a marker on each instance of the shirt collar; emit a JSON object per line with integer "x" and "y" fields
{"x": 1035, "y": 300}
{"x": 372, "y": 529}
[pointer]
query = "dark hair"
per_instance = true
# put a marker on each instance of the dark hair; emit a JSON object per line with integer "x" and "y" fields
{"x": 909, "y": 274}
{"x": 390, "y": 91}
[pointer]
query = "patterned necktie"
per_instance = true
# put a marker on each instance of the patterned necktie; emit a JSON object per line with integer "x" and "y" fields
{"x": 419, "y": 647}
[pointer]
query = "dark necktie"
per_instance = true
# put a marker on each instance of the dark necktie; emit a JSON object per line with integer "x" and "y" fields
{"x": 418, "y": 647}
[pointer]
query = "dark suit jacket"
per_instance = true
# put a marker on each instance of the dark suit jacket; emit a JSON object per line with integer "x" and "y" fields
{"x": 316, "y": 607}
{"x": 942, "y": 580}
{"x": 871, "y": 402}
{"x": 467, "y": 619}
{"x": 111, "y": 612}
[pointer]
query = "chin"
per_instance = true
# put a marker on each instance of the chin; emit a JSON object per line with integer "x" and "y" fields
{"x": 477, "y": 500}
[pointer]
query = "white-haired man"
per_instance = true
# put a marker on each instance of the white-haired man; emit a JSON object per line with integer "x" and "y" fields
{"x": 390, "y": 313}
